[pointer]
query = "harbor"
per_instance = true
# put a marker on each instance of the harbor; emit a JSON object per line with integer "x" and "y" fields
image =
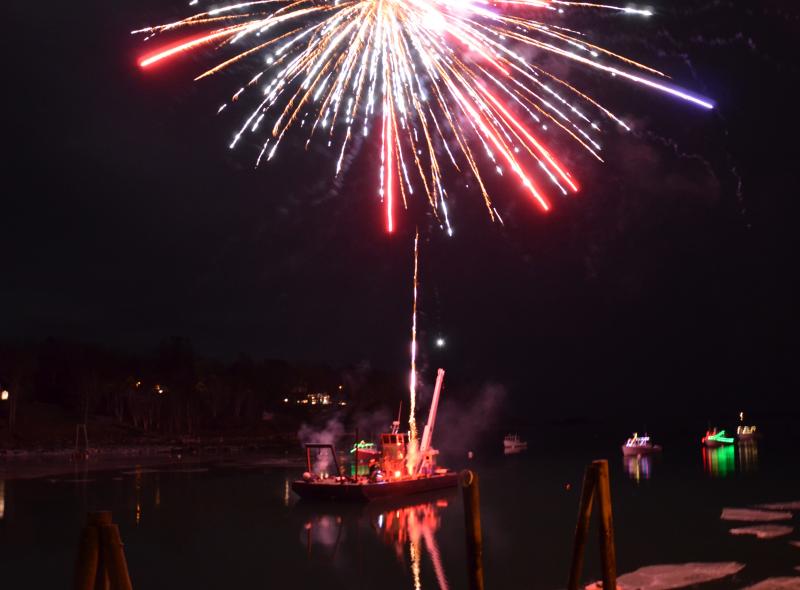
{"x": 400, "y": 295}
{"x": 236, "y": 520}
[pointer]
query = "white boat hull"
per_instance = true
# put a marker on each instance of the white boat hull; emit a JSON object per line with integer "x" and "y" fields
{"x": 640, "y": 450}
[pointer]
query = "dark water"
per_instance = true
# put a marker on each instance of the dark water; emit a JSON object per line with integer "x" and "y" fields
{"x": 235, "y": 524}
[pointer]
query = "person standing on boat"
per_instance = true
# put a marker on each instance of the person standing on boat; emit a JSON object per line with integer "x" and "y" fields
{"x": 373, "y": 469}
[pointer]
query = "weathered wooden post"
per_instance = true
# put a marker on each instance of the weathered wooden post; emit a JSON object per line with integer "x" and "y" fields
{"x": 88, "y": 561}
{"x": 608, "y": 552}
{"x": 595, "y": 486}
{"x": 114, "y": 557}
{"x": 472, "y": 524}
{"x": 582, "y": 527}
{"x": 101, "y": 563}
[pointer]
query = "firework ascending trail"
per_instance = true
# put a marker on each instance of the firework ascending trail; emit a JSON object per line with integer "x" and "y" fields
{"x": 446, "y": 80}
{"x": 413, "y": 442}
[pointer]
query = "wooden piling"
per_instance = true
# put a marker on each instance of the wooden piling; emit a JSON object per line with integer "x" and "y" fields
{"x": 582, "y": 527}
{"x": 608, "y": 552}
{"x": 472, "y": 524}
{"x": 88, "y": 559}
{"x": 101, "y": 563}
{"x": 596, "y": 485}
{"x": 114, "y": 557}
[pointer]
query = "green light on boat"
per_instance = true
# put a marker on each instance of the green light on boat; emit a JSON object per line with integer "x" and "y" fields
{"x": 720, "y": 437}
{"x": 361, "y": 446}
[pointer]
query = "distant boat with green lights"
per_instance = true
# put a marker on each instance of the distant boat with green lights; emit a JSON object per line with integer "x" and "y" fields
{"x": 639, "y": 445}
{"x": 716, "y": 438}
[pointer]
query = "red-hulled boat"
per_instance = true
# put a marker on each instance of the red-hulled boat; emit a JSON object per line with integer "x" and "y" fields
{"x": 390, "y": 474}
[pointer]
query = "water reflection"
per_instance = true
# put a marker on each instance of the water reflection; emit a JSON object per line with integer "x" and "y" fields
{"x": 638, "y": 467}
{"x": 747, "y": 454}
{"x": 416, "y": 526}
{"x": 725, "y": 461}
{"x": 137, "y": 486}
{"x": 2, "y": 499}
{"x": 720, "y": 461}
{"x": 408, "y": 526}
{"x": 326, "y": 530}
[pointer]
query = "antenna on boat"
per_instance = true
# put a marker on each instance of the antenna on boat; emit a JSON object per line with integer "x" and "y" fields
{"x": 396, "y": 423}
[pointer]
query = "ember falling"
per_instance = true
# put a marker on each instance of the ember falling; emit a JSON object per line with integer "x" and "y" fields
{"x": 447, "y": 81}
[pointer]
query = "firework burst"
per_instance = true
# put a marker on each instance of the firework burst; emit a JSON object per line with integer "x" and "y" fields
{"x": 444, "y": 83}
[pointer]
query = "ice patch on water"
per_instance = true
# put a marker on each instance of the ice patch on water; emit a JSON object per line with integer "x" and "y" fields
{"x": 669, "y": 576}
{"x": 763, "y": 531}
{"x": 793, "y": 506}
{"x": 788, "y": 583}
{"x": 750, "y": 515}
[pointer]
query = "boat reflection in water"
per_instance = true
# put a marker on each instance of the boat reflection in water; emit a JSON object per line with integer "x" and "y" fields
{"x": 747, "y": 456}
{"x": 415, "y": 526}
{"x": 408, "y": 525}
{"x": 719, "y": 461}
{"x": 2, "y": 499}
{"x": 638, "y": 467}
{"x": 725, "y": 461}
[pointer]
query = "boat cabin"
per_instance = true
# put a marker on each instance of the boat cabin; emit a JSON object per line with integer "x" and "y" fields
{"x": 362, "y": 453}
{"x": 394, "y": 449}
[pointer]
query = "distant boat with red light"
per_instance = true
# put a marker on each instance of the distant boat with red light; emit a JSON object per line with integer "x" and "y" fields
{"x": 715, "y": 438}
{"x": 391, "y": 474}
{"x": 639, "y": 445}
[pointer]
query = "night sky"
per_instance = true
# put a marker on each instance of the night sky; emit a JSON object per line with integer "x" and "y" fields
{"x": 126, "y": 219}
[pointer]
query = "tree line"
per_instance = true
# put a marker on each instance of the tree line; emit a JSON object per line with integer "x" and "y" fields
{"x": 174, "y": 389}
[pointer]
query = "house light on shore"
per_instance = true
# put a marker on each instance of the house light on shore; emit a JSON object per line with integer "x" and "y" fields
{"x": 4, "y": 395}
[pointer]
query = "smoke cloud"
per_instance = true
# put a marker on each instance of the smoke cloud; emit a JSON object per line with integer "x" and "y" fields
{"x": 331, "y": 433}
{"x": 462, "y": 423}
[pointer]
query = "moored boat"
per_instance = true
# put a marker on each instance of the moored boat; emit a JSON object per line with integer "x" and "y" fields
{"x": 390, "y": 473}
{"x": 744, "y": 432}
{"x": 639, "y": 445}
{"x": 716, "y": 438}
{"x": 512, "y": 443}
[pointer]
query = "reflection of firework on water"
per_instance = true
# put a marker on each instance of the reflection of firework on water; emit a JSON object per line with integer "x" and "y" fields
{"x": 442, "y": 81}
{"x": 415, "y": 525}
